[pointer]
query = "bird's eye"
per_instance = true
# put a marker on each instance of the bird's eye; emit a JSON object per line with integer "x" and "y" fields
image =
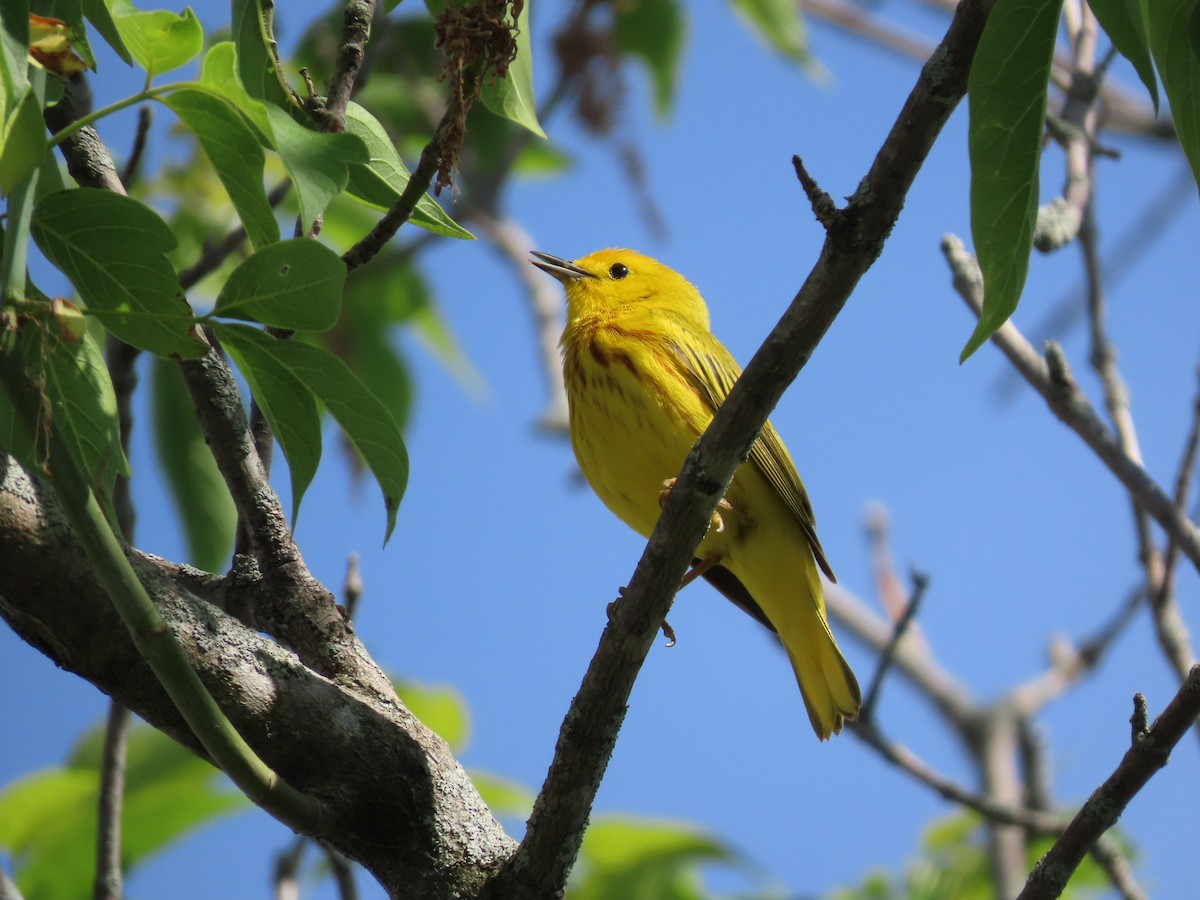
{"x": 618, "y": 270}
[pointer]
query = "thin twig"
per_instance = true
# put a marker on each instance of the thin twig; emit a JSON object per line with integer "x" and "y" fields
{"x": 352, "y": 586}
{"x": 343, "y": 874}
{"x": 356, "y": 28}
{"x": 285, "y": 882}
{"x": 920, "y": 582}
{"x": 140, "y": 135}
{"x": 107, "y": 884}
{"x": 1051, "y": 377}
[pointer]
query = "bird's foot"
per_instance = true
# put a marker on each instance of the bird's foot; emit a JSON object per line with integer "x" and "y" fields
{"x": 723, "y": 506}
{"x": 667, "y": 630}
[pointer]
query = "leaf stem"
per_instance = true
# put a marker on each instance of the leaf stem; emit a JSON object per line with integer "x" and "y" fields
{"x": 149, "y": 93}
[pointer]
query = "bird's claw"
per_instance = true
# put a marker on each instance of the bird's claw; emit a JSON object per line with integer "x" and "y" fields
{"x": 668, "y": 633}
{"x": 716, "y": 521}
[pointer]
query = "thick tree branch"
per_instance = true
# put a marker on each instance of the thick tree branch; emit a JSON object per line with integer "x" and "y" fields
{"x": 394, "y": 797}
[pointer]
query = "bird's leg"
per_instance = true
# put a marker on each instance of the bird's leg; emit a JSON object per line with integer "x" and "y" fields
{"x": 667, "y": 630}
{"x": 699, "y": 567}
{"x": 723, "y": 505}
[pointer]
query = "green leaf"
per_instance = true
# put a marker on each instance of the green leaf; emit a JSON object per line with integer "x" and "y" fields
{"x": 14, "y": 52}
{"x": 1007, "y": 94}
{"x": 381, "y": 180}
{"x": 366, "y": 422}
{"x": 512, "y": 96}
{"x": 285, "y": 400}
{"x": 1125, "y": 26}
{"x": 22, "y": 143}
{"x": 48, "y": 819}
{"x": 77, "y": 400}
{"x": 97, "y": 12}
{"x": 234, "y": 150}
{"x": 778, "y": 24}
{"x": 294, "y": 284}
{"x": 219, "y": 73}
{"x": 653, "y": 31}
{"x": 114, "y": 250}
{"x": 1174, "y": 33}
{"x": 440, "y": 707}
{"x": 201, "y": 498}
{"x": 159, "y": 40}
{"x": 257, "y": 69}
{"x": 318, "y": 163}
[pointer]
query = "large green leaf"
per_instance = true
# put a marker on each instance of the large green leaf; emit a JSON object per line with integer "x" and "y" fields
{"x": 48, "y": 819}
{"x": 285, "y": 400}
{"x": 1174, "y": 34}
{"x": 257, "y": 70}
{"x": 381, "y": 180}
{"x": 1007, "y": 96}
{"x": 201, "y": 498}
{"x": 294, "y": 284}
{"x": 653, "y": 31}
{"x": 114, "y": 250}
{"x": 234, "y": 150}
{"x": 219, "y": 73}
{"x": 512, "y": 96}
{"x": 159, "y": 40}
{"x": 366, "y": 422}
{"x": 1125, "y": 26}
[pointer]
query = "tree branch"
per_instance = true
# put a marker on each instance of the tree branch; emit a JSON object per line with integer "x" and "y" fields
{"x": 1148, "y": 754}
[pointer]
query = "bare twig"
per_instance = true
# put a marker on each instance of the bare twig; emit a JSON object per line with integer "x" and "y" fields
{"x": 545, "y": 301}
{"x": 343, "y": 874}
{"x": 920, "y": 582}
{"x": 356, "y": 28}
{"x": 107, "y": 885}
{"x": 352, "y": 586}
{"x": 1052, "y": 379}
{"x": 140, "y": 135}
{"x": 1149, "y": 753}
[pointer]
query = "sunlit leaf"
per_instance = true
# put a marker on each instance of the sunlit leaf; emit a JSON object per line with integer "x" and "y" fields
{"x": 293, "y": 284}
{"x": 159, "y": 40}
{"x": 512, "y": 96}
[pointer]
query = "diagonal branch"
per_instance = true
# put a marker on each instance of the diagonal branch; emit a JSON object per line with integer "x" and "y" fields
{"x": 853, "y": 242}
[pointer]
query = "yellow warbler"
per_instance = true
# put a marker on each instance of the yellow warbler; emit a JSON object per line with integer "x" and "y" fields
{"x": 644, "y": 376}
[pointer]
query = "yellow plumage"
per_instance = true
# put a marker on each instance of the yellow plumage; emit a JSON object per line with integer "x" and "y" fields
{"x": 644, "y": 376}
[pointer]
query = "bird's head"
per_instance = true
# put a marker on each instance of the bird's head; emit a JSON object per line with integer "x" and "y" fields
{"x": 609, "y": 282}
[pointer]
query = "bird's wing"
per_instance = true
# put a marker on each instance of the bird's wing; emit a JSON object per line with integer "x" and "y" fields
{"x": 713, "y": 370}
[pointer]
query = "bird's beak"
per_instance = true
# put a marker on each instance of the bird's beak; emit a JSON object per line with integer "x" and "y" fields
{"x": 562, "y": 269}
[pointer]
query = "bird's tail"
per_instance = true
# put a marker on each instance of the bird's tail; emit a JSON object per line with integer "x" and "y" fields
{"x": 830, "y": 690}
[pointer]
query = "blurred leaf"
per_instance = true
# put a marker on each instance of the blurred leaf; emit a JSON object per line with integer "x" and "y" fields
{"x": 285, "y": 400}
{"x": 22, "y": 142}
{"x": 159, "y": 40}
{"x": 293, "y": 284}
{"x": 365, "y": 421}
{"x": 778, "y": 24}
{"x": 201, "y": 498}
{"x": 542, "y": 159}
{"x": 512, "y": 96}
{"x": 1006, "y": 91}
{"x": 1174, "y": 33}
{"x": 625, "y": 857}
{"x": 503, "y": 796}
{"x": 236, "y": 155}
{"x": 48, "y": 819}
{"x": 318, "y": 163}
{"x": 381, "y": 179}
{"x": 440, "y": 707}
{"x": 1125, "y": 24}
{"x": 98, "y": 14}
{"x": 114, "y": 251}
{"x": 653, "y": 31}
{"x": 51, "y": 45}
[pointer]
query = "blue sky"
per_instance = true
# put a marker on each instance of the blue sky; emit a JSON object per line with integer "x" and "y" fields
{"x": 497, "y": 578}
